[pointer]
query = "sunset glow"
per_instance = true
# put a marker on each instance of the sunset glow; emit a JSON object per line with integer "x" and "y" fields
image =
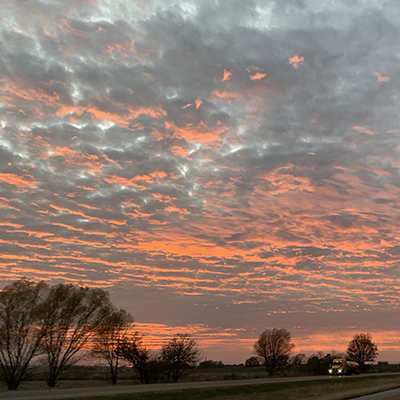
{"x": 219, "y": 173}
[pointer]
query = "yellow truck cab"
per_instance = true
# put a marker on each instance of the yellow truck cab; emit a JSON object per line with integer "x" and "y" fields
{"x": 340, "y": 366}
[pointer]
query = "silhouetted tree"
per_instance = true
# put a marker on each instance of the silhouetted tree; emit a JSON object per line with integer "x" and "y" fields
{"x": 335, "y": 354}
{"x": 109, "y": 338}
{"x": 211, "y": 364}
{"x": 252, "y": 362}
{"x": 314, "y": 365}
{"x": 21, "y": 330}
{"x": 73, "y": 316}
{"x": 133, "y": 350}
{"x": 181, "y": 350}
{"x": 274, "y": 347}
{"x": 318, "y": 364}
{"x": 298, "y": 359}
{"x": 362, "y": 349}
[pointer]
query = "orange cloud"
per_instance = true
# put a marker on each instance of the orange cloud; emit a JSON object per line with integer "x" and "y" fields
{"x": 227, "y": 75}
{"x": 74, "y": 158}
{"x": 200, "y": 133}
{"x": 381, "y": 78}
{"x": 154, "y": 176}
{"x": 180, "y": 151}
{"x": 30, "y": 92}
{"x": 121, "y": 119}
{"x": 5, "y": 204}
{"x": 362, "y": 130}
{"x": 255, "y": 73}
{"x": 227, "y": 96}
{"x": 173, "y": 209}
{"x": 156, "y": 334}
{"x": 16, "y": 180}
{"x": 257, "y": 76}
{"x": 296, "y": 61}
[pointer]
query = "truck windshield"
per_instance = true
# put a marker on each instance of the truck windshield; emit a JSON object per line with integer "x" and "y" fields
{"x": 337, "y": 363}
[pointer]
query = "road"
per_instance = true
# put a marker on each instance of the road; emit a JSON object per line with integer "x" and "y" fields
{"x": 47, "y": 394}
{"x": 393, "y": 394}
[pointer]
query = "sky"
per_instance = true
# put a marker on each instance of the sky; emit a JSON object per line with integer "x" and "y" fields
{"x": 221, "y": 167}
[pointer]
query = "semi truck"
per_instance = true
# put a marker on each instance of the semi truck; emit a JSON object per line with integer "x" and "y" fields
{"x": 341, "y": 366}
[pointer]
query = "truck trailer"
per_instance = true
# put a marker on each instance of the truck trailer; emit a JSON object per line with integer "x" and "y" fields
{"x": 341, "y": 366}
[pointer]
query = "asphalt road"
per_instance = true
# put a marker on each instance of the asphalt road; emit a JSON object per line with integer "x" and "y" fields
{"x": 393, "y": 394}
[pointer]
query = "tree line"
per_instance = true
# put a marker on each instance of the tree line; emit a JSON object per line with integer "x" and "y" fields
{"x": 59, "y": 325}
{"x": 274, "y": 347}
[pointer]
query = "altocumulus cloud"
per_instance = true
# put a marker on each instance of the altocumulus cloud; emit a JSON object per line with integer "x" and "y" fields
{"x": 223, "y": 166}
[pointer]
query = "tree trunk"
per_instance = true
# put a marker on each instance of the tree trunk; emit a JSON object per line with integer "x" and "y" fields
{"x": 52, "y": 381}
{"x": 114, "y": 375}
{"x": 12, "y": 384}
{"x": 12, "y": 379}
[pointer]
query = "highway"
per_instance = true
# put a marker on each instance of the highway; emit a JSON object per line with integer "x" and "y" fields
{"x": 393, "y": 394}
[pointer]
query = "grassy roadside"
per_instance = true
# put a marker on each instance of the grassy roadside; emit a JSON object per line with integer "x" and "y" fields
{"x": 332, "y": 389}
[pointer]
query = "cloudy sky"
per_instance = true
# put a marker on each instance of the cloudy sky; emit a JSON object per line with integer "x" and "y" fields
{"x": 220, "y": 167}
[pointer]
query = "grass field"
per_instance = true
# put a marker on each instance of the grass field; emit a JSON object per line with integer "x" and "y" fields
{"x": 332, "y": 389}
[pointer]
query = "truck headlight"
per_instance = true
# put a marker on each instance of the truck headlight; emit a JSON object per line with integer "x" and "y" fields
{"x": 340, "y": 371}
{"x": 330, "y": 371}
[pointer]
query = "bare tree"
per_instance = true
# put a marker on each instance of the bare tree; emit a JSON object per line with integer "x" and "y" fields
{"x": 177, "y": 352}
{"x": 109, "y": 338}
{"x": 133, "y": 350}
{"x": 74, "y": 315}
{"x": 298, "y": 359}
{"x": 274, "y": 347}
{"x": 21, "y": 332}
{"x": 362, "y": 349}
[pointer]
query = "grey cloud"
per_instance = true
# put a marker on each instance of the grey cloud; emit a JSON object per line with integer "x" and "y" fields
{"x": 301, "y": 161}
{"x": 8, "y": 160}
{"x": 309, "y": 251}
{"x": 382, "y": 201}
